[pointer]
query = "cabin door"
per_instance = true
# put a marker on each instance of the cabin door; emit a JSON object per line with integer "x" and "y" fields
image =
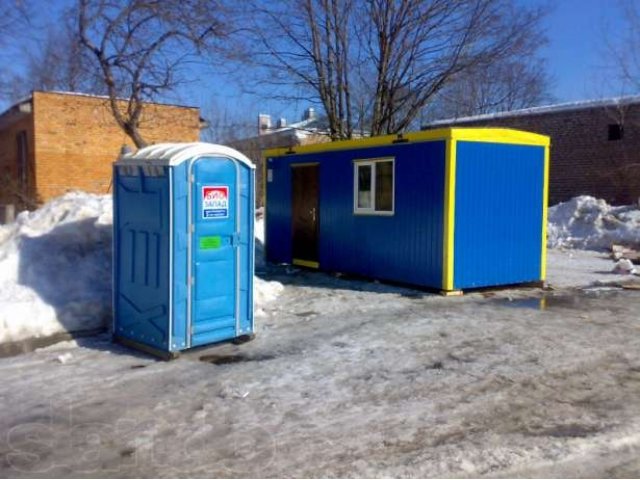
{"x": 305, "y": 214}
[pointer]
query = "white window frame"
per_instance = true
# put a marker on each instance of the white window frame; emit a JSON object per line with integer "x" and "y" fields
{"x": 372, "y": 162}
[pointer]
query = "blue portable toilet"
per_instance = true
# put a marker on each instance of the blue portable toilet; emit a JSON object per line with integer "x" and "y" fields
{"x": 183, "y": 233}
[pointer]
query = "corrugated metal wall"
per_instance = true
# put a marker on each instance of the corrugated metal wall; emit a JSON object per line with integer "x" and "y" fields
{"x": 498, "y": 214}
{"x": 405, "y": 247}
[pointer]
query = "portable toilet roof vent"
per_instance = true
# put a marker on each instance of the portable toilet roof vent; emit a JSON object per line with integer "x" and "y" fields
{"x": 175, "y": 153}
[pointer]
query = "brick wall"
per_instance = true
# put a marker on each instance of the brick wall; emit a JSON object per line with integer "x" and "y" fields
{"x": 77, "y": 139}
{"x": 583, "y": 159}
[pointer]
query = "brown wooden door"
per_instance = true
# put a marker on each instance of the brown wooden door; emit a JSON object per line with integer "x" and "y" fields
{"x": 304, "y": 218}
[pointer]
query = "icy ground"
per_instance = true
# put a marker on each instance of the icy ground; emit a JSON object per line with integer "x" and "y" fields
{"x": 352, "y": 378}
{"x": 346, "y": 378}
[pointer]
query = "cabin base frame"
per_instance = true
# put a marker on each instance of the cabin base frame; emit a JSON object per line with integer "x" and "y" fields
{"x": 451, "y": 293}
{"x": 541, "y": 284}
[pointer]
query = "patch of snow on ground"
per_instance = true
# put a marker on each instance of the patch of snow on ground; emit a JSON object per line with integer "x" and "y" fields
{"x": 259, "y": 230}
{"x": 264, "y": 292}
{"x": 585, "y": 222}
{"x": 55, "y": 269}
{"x": 580, "y": 269}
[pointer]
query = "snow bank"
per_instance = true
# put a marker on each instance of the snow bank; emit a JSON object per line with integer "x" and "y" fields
{"x": 55, "y": 269}
{"x": 588, "y": 223}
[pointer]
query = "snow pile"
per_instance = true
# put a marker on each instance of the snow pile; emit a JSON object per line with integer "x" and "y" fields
{"x": 265, "y": 291}
{"x": 55, "y": 269}
{"x": 588, "y": 223}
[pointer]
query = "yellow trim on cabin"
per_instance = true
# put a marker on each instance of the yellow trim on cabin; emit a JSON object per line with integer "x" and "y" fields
{"x": 545, "y": 205}
{"x": 449, "y": 215}
{"x": 305, "y": 263}
{"x": 489, "y": 135}
{"x": 499, "y": 135}
{"x": 264, "y": 182}
{"x": 264, "y": 208}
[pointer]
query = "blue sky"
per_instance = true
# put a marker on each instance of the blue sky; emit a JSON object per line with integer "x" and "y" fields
{"x": 576, "y": 30}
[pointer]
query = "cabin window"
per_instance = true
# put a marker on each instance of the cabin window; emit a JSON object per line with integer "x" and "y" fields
{"x": 374, "y": 186}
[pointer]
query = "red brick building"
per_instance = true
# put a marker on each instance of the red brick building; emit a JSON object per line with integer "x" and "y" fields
{"x": 53, "y": 142}
{"x": 595, "y": 145}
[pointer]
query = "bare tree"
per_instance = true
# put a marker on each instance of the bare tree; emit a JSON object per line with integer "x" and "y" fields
{"x": 305, "y": 46}
{"x": 620, "y": 72}
{"x": 143, "y": 47}
{"x": 621, "y": 55}
{"x": 14, "y": 20}
{"x": 62, "y": 63}
{"x": 14, "y": 14}
{"x": 503, "y": 86}
{"x": 392, "y": 57}
{"x": 226, "y": 124}
{"x": 424, "y": 45}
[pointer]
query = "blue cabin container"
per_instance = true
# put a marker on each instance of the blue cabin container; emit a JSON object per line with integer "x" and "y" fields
{"x": 183, "y": 230}
{"x": 446, "y": 209}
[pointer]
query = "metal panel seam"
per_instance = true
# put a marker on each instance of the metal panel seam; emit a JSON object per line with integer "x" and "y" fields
{"x": 189, "y": 247}
{"x": 114, "y": 259}
{"x": 237, "y": 246}
{"x": 449, "y": 215}
{"x": 171, "y": 259}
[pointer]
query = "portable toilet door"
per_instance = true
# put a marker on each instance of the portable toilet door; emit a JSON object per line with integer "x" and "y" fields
{"x": 215, "y": 253}
{"x": 209, "y": 210}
